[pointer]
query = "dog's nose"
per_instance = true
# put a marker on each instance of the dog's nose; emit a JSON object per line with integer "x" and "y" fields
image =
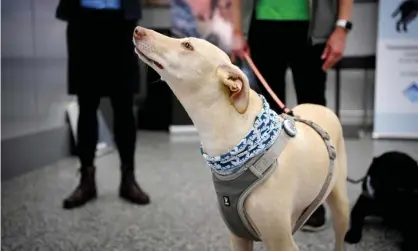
{"x": 139, "y": 33}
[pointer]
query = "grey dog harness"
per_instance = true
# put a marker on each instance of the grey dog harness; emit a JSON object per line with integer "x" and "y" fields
{"x": 232, "y": 190}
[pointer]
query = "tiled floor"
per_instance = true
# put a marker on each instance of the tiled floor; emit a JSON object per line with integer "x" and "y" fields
{"x": 182, "y": 215}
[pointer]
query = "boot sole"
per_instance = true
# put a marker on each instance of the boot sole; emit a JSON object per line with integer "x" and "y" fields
{"x": 71, "y": 205}
{"x": 307, "y": 228}
{"x": 133, "y": 201}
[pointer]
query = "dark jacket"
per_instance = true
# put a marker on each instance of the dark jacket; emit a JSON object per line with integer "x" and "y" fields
{"x": 69, "y": 9}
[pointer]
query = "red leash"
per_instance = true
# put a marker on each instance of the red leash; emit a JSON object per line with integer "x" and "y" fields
{"x": 264, "y": 82}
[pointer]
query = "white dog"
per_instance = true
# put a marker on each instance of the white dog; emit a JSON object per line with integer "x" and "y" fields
{"x": 288, "y": 167}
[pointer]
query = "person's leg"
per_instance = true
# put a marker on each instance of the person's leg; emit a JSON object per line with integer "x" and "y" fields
{"x": 125, "y": 137}
{"x": 269, "y": 53}
{"x": 124, "y": 127}
{"x": 309, "y": 78}
{"x": 313, "y": 91}
{"x": 309, "y": 81}
{"x": 87, "y": 136}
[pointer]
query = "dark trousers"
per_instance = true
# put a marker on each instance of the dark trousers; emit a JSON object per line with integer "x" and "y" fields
{"x": 277, "y": 45}
{"x": 123, "y": 126}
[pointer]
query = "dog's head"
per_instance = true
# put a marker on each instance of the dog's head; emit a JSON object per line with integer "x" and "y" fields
{"x": 193, "y": 66}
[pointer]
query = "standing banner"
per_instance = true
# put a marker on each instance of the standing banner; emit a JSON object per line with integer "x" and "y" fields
{"x": 396, "y": 91}
{"x": 210, "y": 20}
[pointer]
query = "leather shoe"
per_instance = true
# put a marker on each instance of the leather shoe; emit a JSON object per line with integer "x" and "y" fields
{"x": 131, "y": 191}
{"x": 85, "y": 191}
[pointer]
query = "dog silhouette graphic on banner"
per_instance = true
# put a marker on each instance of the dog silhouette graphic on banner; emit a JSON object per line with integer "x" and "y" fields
{"x": 408, "y": 11}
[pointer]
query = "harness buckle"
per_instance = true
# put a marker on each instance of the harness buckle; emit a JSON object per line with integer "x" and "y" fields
{"x": 289, "y": 127}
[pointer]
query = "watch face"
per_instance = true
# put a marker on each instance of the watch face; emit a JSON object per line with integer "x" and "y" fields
{"x": 349, "y": 25}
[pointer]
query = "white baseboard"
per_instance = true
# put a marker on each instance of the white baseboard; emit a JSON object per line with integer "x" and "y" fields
{"x": 348, "y": 117}
{"x": 184, "y": 138}
{"x": 412, "y": 136}
{"x": 182, "y": 129}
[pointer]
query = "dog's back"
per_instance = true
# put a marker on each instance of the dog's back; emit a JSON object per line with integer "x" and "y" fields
{"x": 322, "y": 116}
{"x": 329, "y": 122}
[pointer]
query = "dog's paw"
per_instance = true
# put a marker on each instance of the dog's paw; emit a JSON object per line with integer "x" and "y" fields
{"x": 353, "y": 237}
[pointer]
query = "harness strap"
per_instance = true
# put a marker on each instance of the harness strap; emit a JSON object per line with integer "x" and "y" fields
{"x": 332, "y": 155}
{"x": 262, "y": 168}
{"x": 369, "y": 191}
{"x": 271, "y": 155}
{"x": 234, "y": 189}
{"x": 263, "y": 164}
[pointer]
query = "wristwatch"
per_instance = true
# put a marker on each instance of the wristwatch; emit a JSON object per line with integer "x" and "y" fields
{"x": 345, "y": 24}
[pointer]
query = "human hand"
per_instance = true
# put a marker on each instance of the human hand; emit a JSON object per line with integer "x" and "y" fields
{"x": 334, "y": 48}
{"x": 239, "y": 46}
{"x": 201, "y": 9}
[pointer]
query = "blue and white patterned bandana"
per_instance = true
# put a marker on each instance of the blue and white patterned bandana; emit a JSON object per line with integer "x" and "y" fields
{"x": 265, "y": 131}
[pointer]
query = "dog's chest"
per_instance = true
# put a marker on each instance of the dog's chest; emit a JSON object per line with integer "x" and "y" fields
{"x": 232, "y": 190}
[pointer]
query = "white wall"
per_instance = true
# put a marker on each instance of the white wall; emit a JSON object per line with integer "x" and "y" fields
{"x": 33, "y": 78}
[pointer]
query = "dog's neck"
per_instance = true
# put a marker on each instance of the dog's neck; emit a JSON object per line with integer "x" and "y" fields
{"x": 219, "y": 125}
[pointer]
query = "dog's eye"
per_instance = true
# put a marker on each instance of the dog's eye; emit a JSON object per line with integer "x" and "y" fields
{"x": 187, "y": 45}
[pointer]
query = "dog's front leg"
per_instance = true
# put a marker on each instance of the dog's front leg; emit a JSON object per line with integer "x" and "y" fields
{"x": 408, "y": 229}
{"x": 283, "y": 241}
{"x": 240, "y": 244}
{"x": 363, "y": 207}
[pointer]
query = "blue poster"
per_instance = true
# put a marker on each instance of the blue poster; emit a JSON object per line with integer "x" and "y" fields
{"x": 396, "y": 92}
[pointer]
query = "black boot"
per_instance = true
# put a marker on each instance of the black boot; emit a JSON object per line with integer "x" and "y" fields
{"x": 86, "y": 190}
{"x": 316, "y": 222}
{"x": 129, "y": 188}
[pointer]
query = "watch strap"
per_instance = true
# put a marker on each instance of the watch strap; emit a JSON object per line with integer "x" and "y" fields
{"x": 344, "y": 24}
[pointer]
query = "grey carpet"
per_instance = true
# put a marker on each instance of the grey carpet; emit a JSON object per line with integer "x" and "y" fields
{"x": 182, "y": 215}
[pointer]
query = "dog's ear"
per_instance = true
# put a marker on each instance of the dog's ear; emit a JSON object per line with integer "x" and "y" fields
{"x": 237, "y": 82}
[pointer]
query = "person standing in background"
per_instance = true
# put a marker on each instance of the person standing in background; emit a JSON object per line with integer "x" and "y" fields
{"x": 102, "y": 63}
{"x": 307, "y": 36}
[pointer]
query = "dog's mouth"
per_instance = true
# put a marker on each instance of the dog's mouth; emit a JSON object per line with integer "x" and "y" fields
{"x": 151, "y": 61}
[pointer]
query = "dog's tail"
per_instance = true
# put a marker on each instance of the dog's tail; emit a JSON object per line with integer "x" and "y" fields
{"x": 353, "y": 181}
{"x": 396, "y": 12}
